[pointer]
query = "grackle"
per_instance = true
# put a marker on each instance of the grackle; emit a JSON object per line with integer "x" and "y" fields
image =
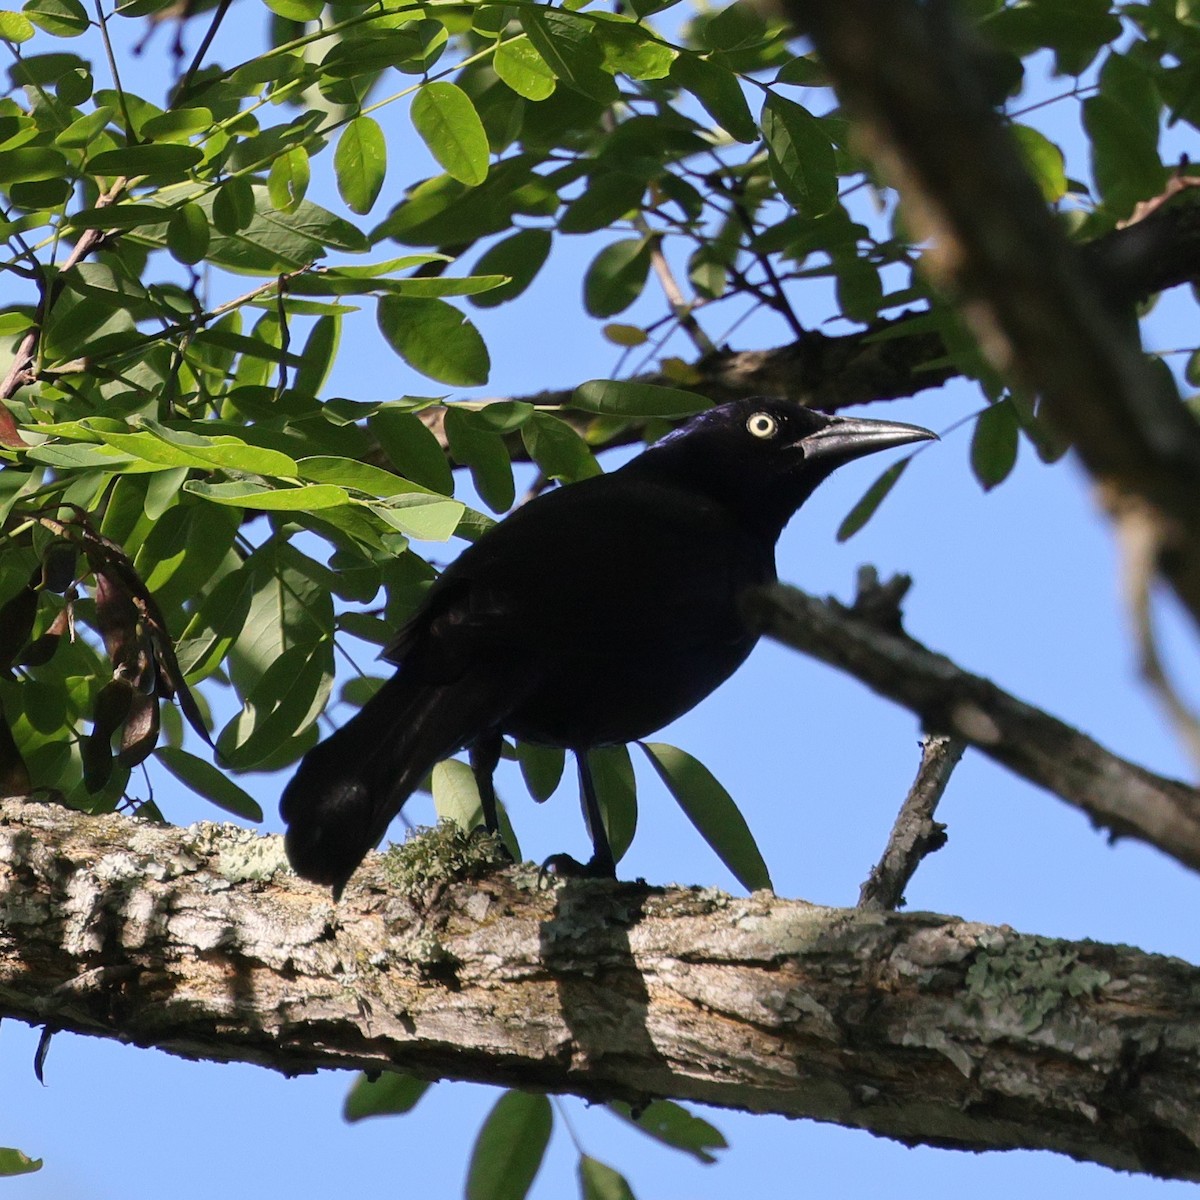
{"x": 593, "y": 615}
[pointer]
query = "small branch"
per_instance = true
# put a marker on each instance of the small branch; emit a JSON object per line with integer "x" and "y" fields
{"x": 102, "y": 21}
{"x": 780, "y": 302}
{"x": 91, "y": 239}
{"x": 1116, "y": 794}
{"x": 675, "y": 298}
{"x": 205, "y": 42}
{"x": 915, "y": 833}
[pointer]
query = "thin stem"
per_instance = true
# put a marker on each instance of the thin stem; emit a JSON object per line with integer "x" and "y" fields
{"x": 205, "y": 43}
{"x": 116, "y": 75}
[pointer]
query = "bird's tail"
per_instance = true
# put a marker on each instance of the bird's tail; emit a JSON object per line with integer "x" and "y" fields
{"x": 348, "y": 788}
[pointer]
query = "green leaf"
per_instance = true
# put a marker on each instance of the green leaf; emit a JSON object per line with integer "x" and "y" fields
{"x": 428, "y": 518}
{"x": 442, "y": 113}
{"x": 176, "y": 448}
{"x": 413, "y": 449}
{"x": 13, "y": 1162}
{"x": 734, "y": 26}
{"x": 541, "y": 768}
{"x": 711, "y": 809}
{"x": 1125, "y": 161}
{"x": 1044, "y": 160}
{"x": 1135, "y": 86}
{"x": 85, "y": 129}
{"x": 600, "y": 1182}
{"x": 674, "y": 1126}
{"x": 390, "y": 1093}
{"x": 62, "y": 18}
{"x": 120, "y": 216}
{"x": 800, "y": 155}
{"x": 164, "y": 161}
{"x": 1074, "y": 29}
{"x": 523, "y": 68}
{"x": 859, "y": 288}
{"x": 568, "y": 47}
{"x": 718, "y": 90}
{"x": 352, "y": 473}
{"x": 31, "y": 162}
{"x": 557, "y": 449}
{"x": 434, "y": 338}
{"x": 616, "y": 794}
{"x": 994, "y": 444}
{"x": 307, "y": 498}
{"x": 233, "y": 205}
{"x": 455, "y": 796}
{"x": 14, "y": 27}
{"x": 297, "y": 10}
{"x": 284, "y": 701}
{"x": 287, "y": 181}
{"x": 520, "y": 257}
{"x": 360, "y": 163}
{"x": 609, "y": 197}
{"x": 481, "y": 448}
{"x": 627, "y": 49}
{"x": 187, "y": 233}
{"x": 75, "y": 87}
{"x": 864, "y": 510}
{"x": 616, "y": 277}
{"x": 316, "y": 359}
{"x": 619, "y": 398}
{"x": 510, "y": 1146}
{"x": 177, "y": 124}
{"x": 206, "y": 780}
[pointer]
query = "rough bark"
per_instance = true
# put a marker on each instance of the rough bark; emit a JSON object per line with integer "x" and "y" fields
{"x": 919, "y": 1027}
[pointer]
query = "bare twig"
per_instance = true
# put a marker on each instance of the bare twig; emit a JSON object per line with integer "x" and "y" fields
{"x": 915, "y": 833}
{"x": 675, "y": 298}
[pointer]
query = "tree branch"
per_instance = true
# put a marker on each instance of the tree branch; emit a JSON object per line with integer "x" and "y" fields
{"x": 1116, "y": 794}
{"x": 919, "y": 1027}
{"x": 915, "y": 833}
{"x": 1160, "y": 249}
{"x": 907, "y": 75}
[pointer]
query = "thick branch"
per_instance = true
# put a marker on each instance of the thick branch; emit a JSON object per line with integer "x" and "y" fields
{"x": 919, "y": 1027}
{"x": 1115, "y": 794}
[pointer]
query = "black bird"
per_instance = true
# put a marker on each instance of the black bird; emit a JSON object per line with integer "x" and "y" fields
{"x": 593, "y": 615}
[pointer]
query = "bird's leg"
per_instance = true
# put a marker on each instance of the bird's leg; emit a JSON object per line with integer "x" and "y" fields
{"x": 484, "y": 755}
{"x": 602, "y": 864}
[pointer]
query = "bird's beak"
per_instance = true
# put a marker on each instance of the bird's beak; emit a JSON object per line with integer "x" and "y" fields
{"x": 847, "y": 438}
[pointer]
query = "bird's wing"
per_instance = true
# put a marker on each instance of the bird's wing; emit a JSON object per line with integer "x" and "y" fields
{"x": 620, "y": 564}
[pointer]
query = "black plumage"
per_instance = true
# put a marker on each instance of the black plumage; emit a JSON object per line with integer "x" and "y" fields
{"x": 593, "y": 615}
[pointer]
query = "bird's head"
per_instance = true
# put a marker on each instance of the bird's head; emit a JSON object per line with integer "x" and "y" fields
{"x": 764, "y": 457}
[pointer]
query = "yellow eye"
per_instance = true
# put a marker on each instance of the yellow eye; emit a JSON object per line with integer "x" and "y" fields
{"x": 763, "y": 425}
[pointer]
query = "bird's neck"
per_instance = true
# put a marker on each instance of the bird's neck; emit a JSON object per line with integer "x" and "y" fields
{"x": 760, "y": 511}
